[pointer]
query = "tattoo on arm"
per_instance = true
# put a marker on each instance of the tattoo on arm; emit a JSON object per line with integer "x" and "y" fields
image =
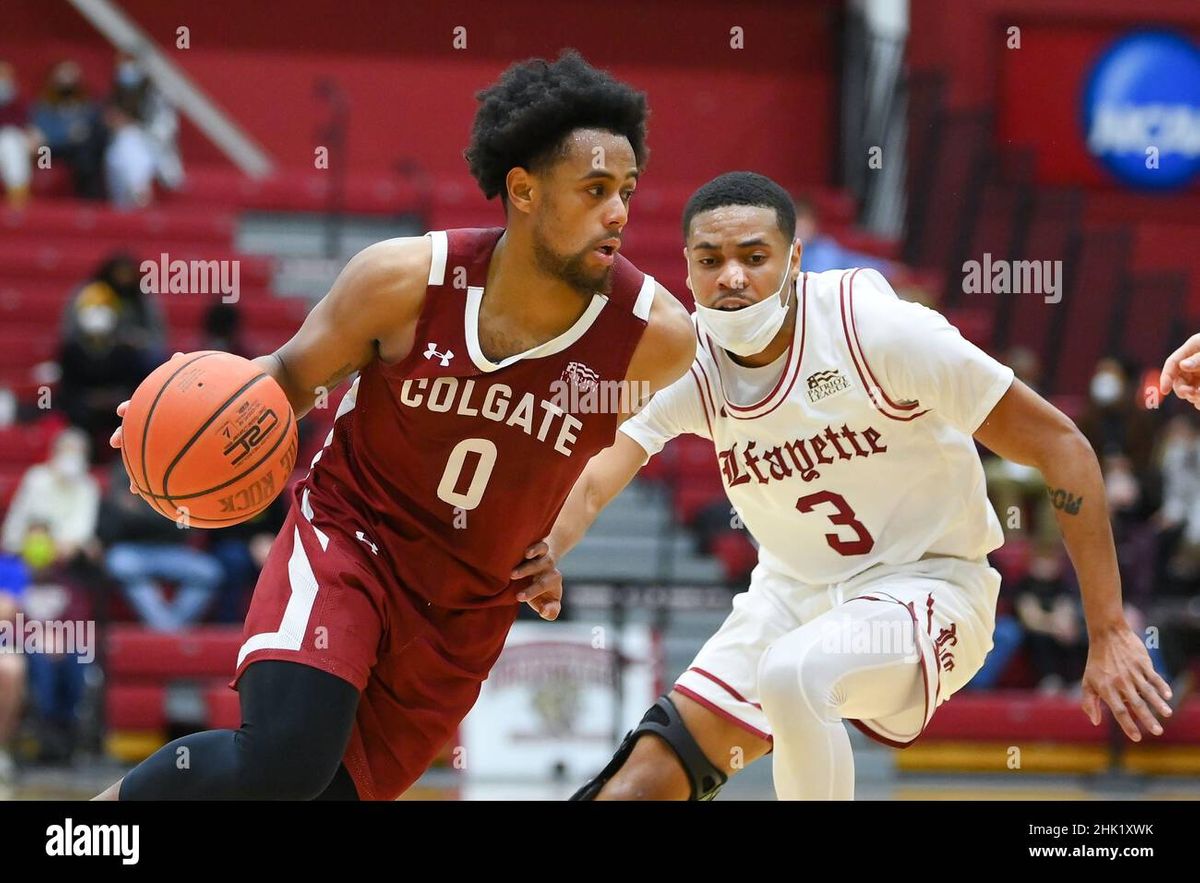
{"x": 1063, "y": 499}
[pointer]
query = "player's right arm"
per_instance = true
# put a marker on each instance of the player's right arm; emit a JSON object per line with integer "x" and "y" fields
{"x": 371, "y": 309}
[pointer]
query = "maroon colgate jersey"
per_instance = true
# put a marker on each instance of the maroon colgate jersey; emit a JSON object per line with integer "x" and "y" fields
{"x": 448, "y": 466}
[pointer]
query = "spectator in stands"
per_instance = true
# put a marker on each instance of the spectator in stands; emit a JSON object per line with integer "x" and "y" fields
{"x": 16, "y": 140}
{"x": 1134, "y": 497}
{"x": 99, "y": 370}
{"x": 1026, "y": 366}
{"x": 1052, "y": 619}
{"x": 1115, "y": 417}
{"x": 137, "y": 96}
{"x": 52, "y": 517}
{"x": 222, "y": 326}
{"x": 822, "y": 252}
{"x": 51, "y": 526}
{"x": 1180, "y": 513}
{"x": 1175, "y": 610}
{"x": 242, "y": 549}
{"x": 129, "y": 161}
{"x": 70, "y": 124}
{"x": 140, "y": 320}
{"x": 144, "y": 549}
{"x": 13, "y": 578}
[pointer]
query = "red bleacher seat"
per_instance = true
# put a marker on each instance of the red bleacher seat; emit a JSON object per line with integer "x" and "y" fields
{"x": 135, "y": 706}
{"x": 1013, "y": 715}
{"x": 205, "y": 651}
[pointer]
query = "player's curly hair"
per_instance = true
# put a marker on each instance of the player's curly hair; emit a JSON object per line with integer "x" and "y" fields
{"x": 524, "y": 117}
{"x": 742, "y": 188}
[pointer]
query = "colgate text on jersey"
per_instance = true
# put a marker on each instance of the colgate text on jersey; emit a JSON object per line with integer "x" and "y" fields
{"x": 532, "y": 416}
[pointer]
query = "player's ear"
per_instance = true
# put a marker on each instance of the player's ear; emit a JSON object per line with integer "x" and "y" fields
{"x": 520, "y": 189}
{"x": 797, "y": 256}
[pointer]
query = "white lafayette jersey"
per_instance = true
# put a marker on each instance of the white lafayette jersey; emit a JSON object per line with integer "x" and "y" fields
{"x": 861, "y": 453}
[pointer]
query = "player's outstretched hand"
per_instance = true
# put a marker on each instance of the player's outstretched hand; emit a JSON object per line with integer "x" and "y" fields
{"x": 1181, "y": 372}
{"x": 1119, "y": 673}
{"x": 544, "y": 593}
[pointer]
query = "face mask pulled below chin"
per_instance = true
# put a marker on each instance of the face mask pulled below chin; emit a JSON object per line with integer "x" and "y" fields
{"x": 751, "y": 329}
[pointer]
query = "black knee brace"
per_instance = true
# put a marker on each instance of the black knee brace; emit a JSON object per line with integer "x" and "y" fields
{"x": 663, "y": 720}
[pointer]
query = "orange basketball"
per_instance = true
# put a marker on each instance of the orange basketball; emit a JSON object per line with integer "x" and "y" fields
{"x": 209, "y": 439}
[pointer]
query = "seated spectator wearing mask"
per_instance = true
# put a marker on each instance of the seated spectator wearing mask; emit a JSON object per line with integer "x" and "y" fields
{"x": 140, "y": 320}
{"x": 52, "y": 518}
{"x": 1115, "y": 418}
{"x": 50, "y": 530}
{"x": 99, "y": 371}
{"x": 135, "y": 93}
{"x": 69, "y": 123}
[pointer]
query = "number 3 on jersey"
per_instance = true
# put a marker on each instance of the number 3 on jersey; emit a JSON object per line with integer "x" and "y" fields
{"x": 482, "y": 454}
{"x": 844, "y": 515}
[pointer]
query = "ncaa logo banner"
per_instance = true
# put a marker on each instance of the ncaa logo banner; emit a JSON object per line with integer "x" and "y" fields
{"x": 1141, "y": 110}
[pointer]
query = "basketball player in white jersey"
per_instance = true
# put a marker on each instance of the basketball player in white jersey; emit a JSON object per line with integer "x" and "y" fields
{"x": 844, "y": 423}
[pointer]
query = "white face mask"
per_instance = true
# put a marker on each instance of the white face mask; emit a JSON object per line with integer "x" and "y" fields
{"x": 1106, "y": 388}
{"x": 749, "y": 330}
{"x": 69, "y": 463}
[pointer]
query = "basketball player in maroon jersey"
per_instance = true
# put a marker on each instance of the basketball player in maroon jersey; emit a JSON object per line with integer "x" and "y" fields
{"x": 389, "y": 591}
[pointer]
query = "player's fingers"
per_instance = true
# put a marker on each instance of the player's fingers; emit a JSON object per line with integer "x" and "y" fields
{"x": 1156, "y": 691}
{"x": 546, "y": 609}
{"x": 1117, "y": 705}
{"x": 1091, "y": 705}
{"x": 1141, "y": 710}
{"x": 532, "y": 568}
{"x": 548, "y": 583}
{"x": 122, "y": 408}
{"x": 548, "y": 599}
{"x": 536, "y": 566}
{"x": 537, "y": 550}
{"x": 1185, "y": 357}
{"x": 116, "y": 438}
{"x": 1165, "y": 383}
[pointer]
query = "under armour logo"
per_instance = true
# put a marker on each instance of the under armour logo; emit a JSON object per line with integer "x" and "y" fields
{"x": 431, "y": 351}
{"x": 374, "y": 548}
